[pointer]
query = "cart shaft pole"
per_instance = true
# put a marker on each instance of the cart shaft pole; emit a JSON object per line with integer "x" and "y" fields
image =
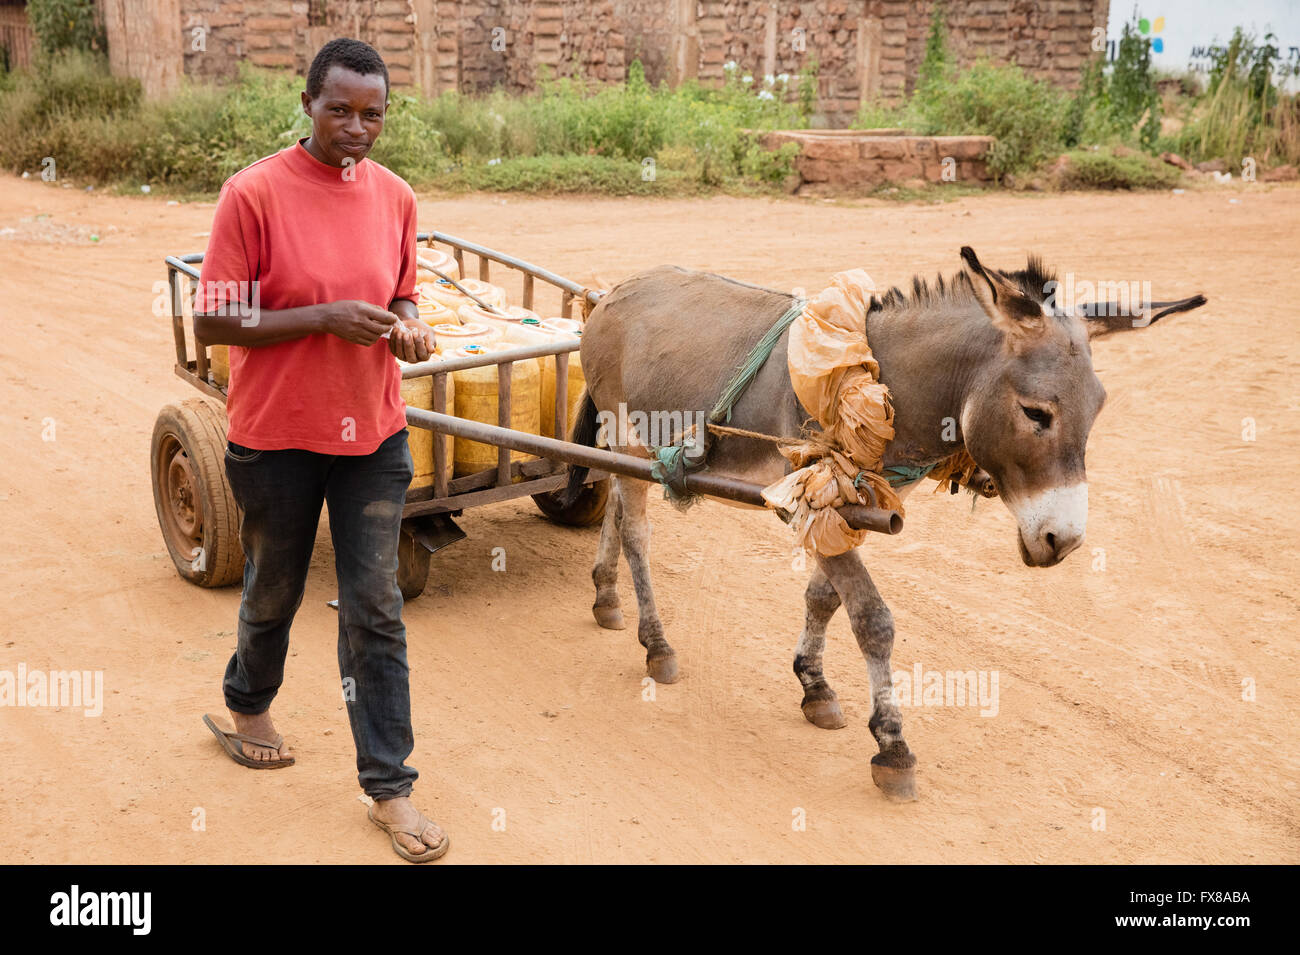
{"x": 714, "y": 485}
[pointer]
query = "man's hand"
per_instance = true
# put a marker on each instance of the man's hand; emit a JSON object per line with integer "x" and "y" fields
{"x": 359, "y": 322}
{"x": 411, "y": 341}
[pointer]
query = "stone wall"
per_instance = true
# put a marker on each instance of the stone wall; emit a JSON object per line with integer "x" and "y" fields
{"x": 216, "y": 35}
{"x": 864, "y": 49}
{"x": 843, "y": 160}
{"x": 873, "y": 48}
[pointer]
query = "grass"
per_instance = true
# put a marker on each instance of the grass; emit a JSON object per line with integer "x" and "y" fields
{"x": 1240, "y": 116}
{"x": 1115, "y": 169}
{"x": 568, "y": 136}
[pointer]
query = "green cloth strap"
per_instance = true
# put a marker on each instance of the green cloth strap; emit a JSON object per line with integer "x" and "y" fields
{"x": 901, "y": 474}
{"x": 757, "y": 358}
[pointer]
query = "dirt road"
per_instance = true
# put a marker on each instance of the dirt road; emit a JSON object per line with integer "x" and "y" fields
{"x": 1147, "y": 687}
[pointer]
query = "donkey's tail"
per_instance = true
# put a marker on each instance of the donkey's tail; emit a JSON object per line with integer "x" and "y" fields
{"x": 585, "y": 428}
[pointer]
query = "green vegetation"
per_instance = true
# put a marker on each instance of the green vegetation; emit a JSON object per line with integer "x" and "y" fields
{"x": 1115, "y": 167}
{"x": 567, "y": 136}
{"x": 1242, "y": 112}
{"x": 574, "y": 136}
{"x": 1116, "y": 111}
{"x": 66, "y": 25}
{"x": 1024, "y": 114}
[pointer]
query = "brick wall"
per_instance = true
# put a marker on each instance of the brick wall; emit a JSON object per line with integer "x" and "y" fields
{"x": 863, "y": 48}
{"x": 869, "y": 48}
{"x": 216, "y": 35}
{"x": 650, "y": 31}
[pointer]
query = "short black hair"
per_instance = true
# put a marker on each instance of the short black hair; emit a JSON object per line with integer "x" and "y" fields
{"x": 355, "y": 55}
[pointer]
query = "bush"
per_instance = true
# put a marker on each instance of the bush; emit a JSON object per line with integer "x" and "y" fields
{"x": 75, "y": 82}
{"x": 66, "y": 25}
{"x": 1023, "y": 114}
{"x": 1132, "y": 98}
{"x": 1116, "y": 169}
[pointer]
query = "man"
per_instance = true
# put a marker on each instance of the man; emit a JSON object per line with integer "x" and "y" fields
{"x": 310, "y": 275}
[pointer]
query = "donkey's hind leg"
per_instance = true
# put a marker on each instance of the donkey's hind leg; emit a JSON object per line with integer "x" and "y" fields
{"x": 605, "y": 572}
{"x": 820, "y": 706}
{"x": 660, "y": 660}
{"x": 893, "y": 769}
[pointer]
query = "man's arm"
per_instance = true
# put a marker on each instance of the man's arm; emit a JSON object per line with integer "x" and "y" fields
{"x": 358, "y": 322}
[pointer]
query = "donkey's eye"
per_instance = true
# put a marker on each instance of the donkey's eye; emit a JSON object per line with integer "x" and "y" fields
{"x": 1037, "y": 415}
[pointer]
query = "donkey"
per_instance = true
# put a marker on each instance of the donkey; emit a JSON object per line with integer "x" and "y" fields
{"x": 986, "y": 360}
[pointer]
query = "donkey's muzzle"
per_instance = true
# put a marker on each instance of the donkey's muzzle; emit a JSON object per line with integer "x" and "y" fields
{"x": 1049, "y": 547}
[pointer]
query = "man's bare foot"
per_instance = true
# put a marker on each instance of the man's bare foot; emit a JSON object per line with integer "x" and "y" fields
{"x": 402, "y": 812}
{"x": 258, "y": 726}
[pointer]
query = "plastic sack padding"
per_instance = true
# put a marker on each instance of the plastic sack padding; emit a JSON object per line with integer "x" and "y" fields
{"x": 834, "y": 376}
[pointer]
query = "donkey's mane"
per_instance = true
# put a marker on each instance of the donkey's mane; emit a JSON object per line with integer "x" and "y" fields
{"x": 1032, "y": 280}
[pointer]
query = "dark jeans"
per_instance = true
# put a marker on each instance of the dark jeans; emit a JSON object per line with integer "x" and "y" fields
{"x": 280, "y": 493}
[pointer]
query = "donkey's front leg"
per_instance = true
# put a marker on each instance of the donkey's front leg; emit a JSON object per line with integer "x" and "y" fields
{"x": 605, "y": 572}
{"x": 893, "y": 769}
{"x": 660, "y": 660}
{"x": 820, "y": 706}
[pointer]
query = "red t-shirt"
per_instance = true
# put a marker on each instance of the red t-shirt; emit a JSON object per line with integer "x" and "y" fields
{"x": 307, "y": 233}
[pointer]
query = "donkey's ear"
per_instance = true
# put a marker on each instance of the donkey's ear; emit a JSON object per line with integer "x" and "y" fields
{"x": 1019, "y": 317}
{"x": 1106, "y": 318}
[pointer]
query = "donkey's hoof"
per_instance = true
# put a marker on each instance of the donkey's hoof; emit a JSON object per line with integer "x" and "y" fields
{"x": 663, "y": 669}
{"x": 824, "y": 713}
{"x": 611, "y": 618}
{"x": 894, "y": 771}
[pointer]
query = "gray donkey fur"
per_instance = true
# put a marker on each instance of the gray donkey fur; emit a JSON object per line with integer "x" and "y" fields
{"x": 986, "y": 360}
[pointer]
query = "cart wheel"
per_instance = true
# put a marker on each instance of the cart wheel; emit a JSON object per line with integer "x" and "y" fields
{"x": 412, "y": 566}
{"x": 196, "y": 511}
{"x": 588, "y": 509}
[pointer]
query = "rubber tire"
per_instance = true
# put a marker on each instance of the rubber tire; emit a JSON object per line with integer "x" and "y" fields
{"x": 412, "y": 566}
{"x": 587, "y": 510}
{"x": 200, "y": 428}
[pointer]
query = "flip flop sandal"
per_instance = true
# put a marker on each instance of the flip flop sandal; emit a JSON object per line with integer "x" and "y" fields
{"x": 230, "y": 742}
{"x": 428, "y": 855}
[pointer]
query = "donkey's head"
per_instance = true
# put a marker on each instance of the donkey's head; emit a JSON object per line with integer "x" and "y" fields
{"x": 1031, "y": 404}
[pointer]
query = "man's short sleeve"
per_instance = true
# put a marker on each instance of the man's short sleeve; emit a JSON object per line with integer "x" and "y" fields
{"x": 230, "y": 265}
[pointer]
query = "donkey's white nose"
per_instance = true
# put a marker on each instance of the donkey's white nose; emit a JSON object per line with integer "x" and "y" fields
{"x": 1057, "y": 545}
{"x": 1052, "y": 523}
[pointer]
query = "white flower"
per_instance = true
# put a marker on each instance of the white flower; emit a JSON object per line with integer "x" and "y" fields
{"x": 765, "y": 94}
{"x": 746, "y": 79}
{"x": 783, "y": 77}
{"x": 729, "y": 65}
{"x": 494, "y": 162}
{"x": 769, "y": 79}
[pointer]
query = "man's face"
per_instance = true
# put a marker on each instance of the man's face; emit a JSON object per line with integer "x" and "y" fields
{"x": 348, "y": 115}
